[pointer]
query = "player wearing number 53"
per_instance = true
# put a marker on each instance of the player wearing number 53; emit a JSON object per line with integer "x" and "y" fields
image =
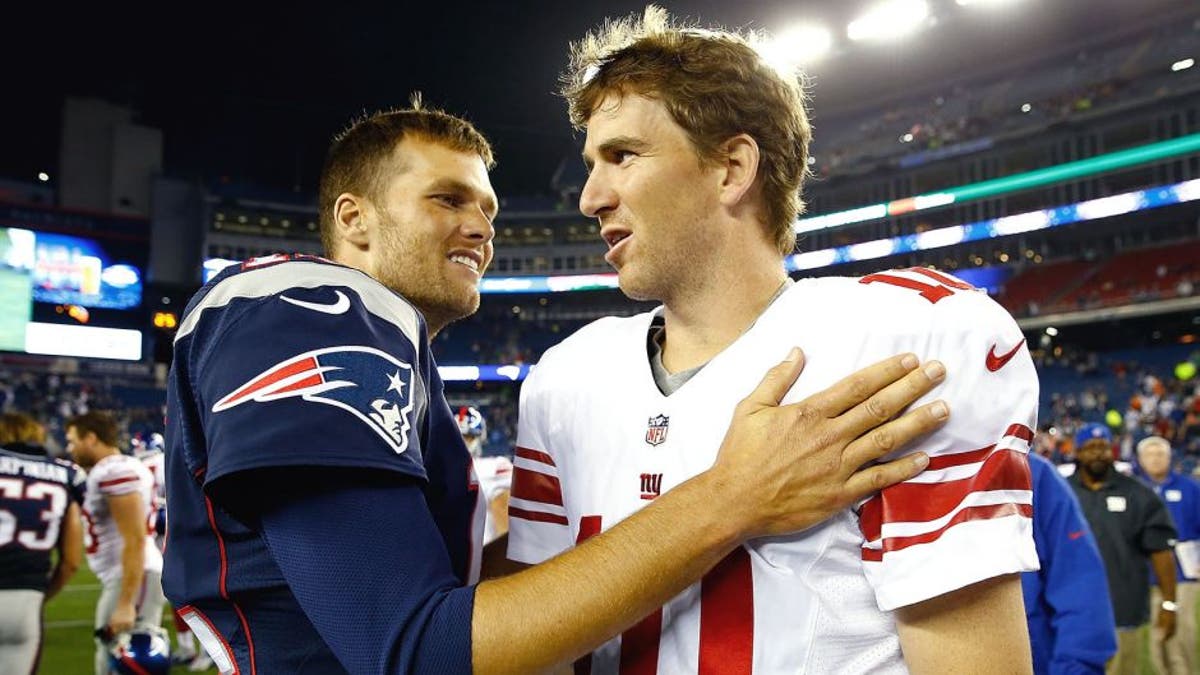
{"x": 39, "y": 513}
{"x": 696, "y": 150}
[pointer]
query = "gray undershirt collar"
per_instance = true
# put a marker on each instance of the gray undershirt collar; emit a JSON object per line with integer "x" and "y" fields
{"x": 669, "y": 383}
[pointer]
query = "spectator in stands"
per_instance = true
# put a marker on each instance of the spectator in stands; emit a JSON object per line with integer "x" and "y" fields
{"x": 1071, "y": 626}
{"x": 1132, "y": 526}
{"x": 1182, "y": 497}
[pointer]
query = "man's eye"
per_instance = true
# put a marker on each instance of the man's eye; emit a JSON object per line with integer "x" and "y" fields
{"x": 448, "y": 200}
{"x": 620, "y": 156}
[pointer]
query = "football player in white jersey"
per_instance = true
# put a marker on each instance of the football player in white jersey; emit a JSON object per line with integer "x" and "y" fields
{"x": 150, "y": 452}
{"x": 696, "y": 149}
{"x": 120, "y": 547}
{"x": 494, "y": 473}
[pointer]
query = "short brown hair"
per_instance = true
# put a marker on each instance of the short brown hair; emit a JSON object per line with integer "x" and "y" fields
{"x": 21, "y": 428}
{"x": 715, "y": 85}
{"x": 101, "y": 424}
{"x": 358, "y": 156}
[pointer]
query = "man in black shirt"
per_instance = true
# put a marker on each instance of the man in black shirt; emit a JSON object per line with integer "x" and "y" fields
{"x": 1131, "y": 525}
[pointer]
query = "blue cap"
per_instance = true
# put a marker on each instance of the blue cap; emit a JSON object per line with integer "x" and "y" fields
{"x": 1090, "y": 432}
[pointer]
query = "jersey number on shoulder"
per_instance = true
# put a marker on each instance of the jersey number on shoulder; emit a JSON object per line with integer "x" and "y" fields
{"x": 945, "y": 285}
{"x": 55, "y": 497}
{"x": 726, "y": 620}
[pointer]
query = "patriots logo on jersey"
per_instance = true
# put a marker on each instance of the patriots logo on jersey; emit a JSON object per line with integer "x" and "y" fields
{"x": 372, "y": 385}
{"x": 656, "y": 430}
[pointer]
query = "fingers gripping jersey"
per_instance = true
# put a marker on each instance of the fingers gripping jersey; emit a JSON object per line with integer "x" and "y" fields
{"x": 114, "y": 476}
{"x": 34, "y": 495}
{"x": 293, "y": 361}
{"x": 597, "y": 441}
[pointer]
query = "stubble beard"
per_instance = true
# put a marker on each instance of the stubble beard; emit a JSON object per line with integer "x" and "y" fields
{"x": 424, "y": 284}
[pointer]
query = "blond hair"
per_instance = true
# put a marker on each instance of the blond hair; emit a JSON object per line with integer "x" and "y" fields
{"x": 715, "y": 85}
{"x": 21, "y": 428}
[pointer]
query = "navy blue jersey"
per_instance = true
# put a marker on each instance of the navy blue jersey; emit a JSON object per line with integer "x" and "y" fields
{"x": 294, "y": 362}
{"x": 35, "y": 492}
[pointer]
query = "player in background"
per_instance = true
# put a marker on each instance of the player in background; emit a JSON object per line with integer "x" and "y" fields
{"x": 323, "y": 513}
{"x": 150, "y": 452}
{"x": 39, "y": 514}
{"x": 494, "y": 473}
{"x": 120, "y": 548}
{"x": 696, "y": 149}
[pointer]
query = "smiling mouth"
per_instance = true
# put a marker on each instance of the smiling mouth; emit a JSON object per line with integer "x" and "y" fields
{"x": 466, "y": 261}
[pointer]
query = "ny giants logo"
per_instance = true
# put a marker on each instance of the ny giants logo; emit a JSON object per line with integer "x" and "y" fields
{"x": 373, "y": 386}
{"x": 656, "y": 431}
{"x": 651, "y": 485}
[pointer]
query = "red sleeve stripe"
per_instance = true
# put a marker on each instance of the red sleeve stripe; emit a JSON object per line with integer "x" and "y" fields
{"x": 536, "y": 487}
{"x": 117, "y": 481}
{"x": 536, "y": 516}
{"x": 925, "y": 502}
{"x": 986, "y": 512}
{"x": 534, "y": 455}
{"x": 1018, "y": 431}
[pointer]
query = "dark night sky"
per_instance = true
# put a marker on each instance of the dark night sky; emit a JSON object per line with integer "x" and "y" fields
{"x": 255, "y": 93}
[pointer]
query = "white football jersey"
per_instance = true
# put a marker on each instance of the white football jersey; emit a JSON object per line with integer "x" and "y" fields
{"x": 598, "y": 441}
{"x": 112, "y": 476}
{"x": 495, "y": 476}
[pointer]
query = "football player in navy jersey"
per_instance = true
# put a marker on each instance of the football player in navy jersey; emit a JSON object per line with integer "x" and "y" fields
{"x": 324, "y": 510}
{"x": 39, "y": 513}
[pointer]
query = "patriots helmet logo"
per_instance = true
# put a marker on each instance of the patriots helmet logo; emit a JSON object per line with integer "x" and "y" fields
{"x": 372, "y": 385}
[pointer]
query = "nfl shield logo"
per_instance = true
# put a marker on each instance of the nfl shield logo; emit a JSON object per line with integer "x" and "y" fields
{"x": 656, "y": 432}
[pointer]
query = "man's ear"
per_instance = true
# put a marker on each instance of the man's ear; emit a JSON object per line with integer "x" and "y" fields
{"x": 740, "y": 163}
{"x": 350, "y": 220}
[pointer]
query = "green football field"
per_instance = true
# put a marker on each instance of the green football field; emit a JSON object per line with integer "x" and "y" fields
{"x": 68, "y": 645}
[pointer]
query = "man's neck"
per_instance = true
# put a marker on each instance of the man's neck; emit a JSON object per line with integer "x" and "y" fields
{"x": 105, "y": 452}
{"x": 1160, "y": 478}
{"x": 706, "y": 321}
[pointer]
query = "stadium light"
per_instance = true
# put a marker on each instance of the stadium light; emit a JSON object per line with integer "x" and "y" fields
{"x": 43, "y": 176}
{"x": 1182, "y": 65}
{"x": 890, "y": 19}
{"x": 985, "y": 3}
{"x": 797, "y": 46}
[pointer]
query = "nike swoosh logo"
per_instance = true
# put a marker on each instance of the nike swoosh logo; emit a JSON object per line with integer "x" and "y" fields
{"x": 1075, "y": 535}
{"x": 339, "y": 307}
{"x": 995, "y": 363}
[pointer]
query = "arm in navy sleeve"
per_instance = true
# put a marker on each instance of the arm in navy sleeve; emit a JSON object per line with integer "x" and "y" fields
{"x": 1073, "y": 579}
{"x": 368, "y": 566}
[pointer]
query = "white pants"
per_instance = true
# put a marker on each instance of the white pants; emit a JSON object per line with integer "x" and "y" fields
{"x": 149, "y": 605}
{"x": 20, "y": 630}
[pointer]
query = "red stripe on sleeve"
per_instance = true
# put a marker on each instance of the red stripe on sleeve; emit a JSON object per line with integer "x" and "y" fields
{"x": 988, "y": 512}
{"x": 959, "y": 458}
{"x": 924, "y": 502}
{"x": 534, "y": 455}
{"x": 536, "y": 487}
{"x": 118, "y": 481}
{"x": 536, "y": 516}
{"x": 1020, "y": 431}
